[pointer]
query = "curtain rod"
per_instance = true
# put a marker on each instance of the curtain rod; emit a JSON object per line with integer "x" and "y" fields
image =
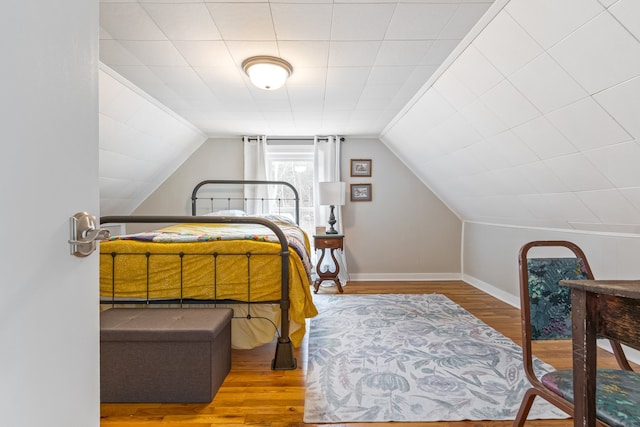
{"x": 306, "y": 138}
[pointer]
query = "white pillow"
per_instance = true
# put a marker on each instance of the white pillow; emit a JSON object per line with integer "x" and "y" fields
{"x": 286, "y": 218}
{"x": 227, "y": 212}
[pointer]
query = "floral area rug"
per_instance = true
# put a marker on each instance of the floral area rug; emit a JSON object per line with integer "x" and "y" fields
{"x": 377, "y": 358}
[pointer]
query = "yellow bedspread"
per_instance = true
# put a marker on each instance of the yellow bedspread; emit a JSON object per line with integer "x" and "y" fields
{"x": 125, "y": 274}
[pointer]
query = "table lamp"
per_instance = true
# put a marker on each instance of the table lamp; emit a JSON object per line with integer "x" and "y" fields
{"x": 332, "y": 194}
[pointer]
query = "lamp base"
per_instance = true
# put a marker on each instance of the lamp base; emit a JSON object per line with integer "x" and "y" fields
{"x": 332, "y": 220}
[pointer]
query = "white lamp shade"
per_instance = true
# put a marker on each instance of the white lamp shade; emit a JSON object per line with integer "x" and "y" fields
{"x": 332, "y": 193}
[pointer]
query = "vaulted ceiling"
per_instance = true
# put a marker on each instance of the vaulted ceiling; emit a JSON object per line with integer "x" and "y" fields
{"x": 537, "y": 122}
{"x": 513, "y": 112}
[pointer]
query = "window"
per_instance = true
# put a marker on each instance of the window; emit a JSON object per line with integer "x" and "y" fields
{"x": 293, "y": 163}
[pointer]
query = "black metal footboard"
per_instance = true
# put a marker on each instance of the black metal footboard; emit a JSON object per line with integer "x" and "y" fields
{"x": 284, "y": 358}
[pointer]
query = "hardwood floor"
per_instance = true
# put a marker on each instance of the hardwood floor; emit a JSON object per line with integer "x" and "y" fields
{"x": 253, "y": 394}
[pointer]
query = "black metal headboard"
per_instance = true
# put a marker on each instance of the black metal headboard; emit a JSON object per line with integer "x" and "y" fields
{"x": 295, "y": 198}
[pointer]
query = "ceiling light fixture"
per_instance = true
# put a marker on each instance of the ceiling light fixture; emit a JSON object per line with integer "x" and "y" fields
{"x": 267, "y": 72}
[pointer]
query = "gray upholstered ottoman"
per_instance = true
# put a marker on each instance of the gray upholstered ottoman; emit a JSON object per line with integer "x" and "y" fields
{"x": 164, "y": 354}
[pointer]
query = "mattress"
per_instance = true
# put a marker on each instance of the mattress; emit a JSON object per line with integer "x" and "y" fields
{"x": 240, "y": 259}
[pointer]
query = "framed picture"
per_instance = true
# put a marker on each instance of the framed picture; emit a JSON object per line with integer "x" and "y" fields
{"x": 360, "y": 192}
{"x": 360, "y": 167}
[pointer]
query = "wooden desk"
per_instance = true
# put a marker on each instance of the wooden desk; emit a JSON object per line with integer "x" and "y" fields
{"x": 331, "y": 243}
{"x": 609, "y": 308}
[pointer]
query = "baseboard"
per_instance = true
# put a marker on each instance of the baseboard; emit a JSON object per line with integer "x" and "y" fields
{"x": 403, "y": 277}
{"x": 633, "y": 355}
{"x": 513, "y": 300}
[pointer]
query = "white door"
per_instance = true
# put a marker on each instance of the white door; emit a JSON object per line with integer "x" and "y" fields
{"x": 49, "y": 335}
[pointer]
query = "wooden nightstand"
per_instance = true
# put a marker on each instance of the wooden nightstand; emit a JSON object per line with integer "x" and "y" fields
{"x": 331, "y": 243}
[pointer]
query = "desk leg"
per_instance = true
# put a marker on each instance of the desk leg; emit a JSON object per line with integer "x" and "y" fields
{"x": 584, "y": 313}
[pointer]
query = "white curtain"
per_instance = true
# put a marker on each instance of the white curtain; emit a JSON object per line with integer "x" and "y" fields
{"x": 327, "y": 168}
{"x": 256, "y": 168}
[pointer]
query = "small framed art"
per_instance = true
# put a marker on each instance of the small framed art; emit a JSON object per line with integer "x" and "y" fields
{"x": 360, "y": 167}
{"x": 360, "y": 192}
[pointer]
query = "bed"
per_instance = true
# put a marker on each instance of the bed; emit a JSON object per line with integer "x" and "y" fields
{"x": 220, "y": 256}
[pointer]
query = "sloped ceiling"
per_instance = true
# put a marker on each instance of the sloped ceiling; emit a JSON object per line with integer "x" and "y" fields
{"x": 177, "y": 64}
{"x": 537, "y": 121}
{"x": 141, "y": 144}
{"x": 531, "y": 119}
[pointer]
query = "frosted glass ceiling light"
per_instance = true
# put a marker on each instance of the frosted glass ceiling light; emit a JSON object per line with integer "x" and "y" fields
{"x": 267, "y": 72}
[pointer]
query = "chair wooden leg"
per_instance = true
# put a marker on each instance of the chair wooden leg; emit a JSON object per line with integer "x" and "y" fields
{"x": 525, "y": 406}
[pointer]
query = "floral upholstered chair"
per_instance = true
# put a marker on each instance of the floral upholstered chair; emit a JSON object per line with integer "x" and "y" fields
{"x": 545, "y": 308}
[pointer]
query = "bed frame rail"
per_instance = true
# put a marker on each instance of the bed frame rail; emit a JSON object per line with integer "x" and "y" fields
{"x": 284, "y": 358}
{"x": 295, "y": 198}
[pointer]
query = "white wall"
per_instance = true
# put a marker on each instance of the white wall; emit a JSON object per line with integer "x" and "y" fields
{"x": 215, "y": 159}
{"x": 404, "y": 233}
{"x": 49, "y": 339}
{"x": 491, "y": 255}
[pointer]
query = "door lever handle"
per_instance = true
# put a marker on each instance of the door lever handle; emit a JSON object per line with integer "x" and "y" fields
{"x": 84, "y": 233}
